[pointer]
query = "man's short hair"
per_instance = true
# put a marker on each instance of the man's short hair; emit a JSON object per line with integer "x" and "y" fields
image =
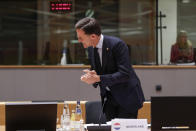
{"x": 89, "y": 26}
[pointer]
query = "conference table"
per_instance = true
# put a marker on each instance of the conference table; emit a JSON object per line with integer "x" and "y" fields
{"x": 60, "y": 105}
{"x": 144, "y": 112}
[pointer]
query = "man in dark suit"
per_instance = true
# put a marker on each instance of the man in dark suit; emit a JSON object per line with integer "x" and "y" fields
{"x": 120, "y": 88}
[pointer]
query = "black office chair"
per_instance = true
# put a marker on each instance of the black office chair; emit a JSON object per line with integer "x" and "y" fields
{"x": 93, "y": 112}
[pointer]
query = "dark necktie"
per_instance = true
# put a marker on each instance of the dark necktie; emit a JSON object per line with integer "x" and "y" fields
{"x": 99, "y": 70}
{"x": 97, "y": 61}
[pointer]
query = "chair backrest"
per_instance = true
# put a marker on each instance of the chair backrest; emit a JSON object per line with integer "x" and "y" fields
{"x": 93, "y": 112}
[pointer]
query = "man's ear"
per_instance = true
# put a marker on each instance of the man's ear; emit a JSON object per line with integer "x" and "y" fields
{"x": 93, "y": 36}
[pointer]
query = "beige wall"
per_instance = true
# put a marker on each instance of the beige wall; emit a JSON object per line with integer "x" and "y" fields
{"x": 64, "y": 84}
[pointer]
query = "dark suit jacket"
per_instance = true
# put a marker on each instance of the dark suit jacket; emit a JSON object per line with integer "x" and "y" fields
{"x": 118, "y": 74}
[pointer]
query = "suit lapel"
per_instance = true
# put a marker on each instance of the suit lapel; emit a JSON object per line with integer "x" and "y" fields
{"x": 105, "y": 50}
{"x": 91, "y": 52}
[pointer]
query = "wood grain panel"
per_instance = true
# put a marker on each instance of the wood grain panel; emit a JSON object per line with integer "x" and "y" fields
{"x": 2, "y": 114}
{"x": 145, "y": 112}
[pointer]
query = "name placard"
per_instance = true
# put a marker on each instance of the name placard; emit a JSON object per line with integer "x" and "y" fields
{"x": 129, "y": 124}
